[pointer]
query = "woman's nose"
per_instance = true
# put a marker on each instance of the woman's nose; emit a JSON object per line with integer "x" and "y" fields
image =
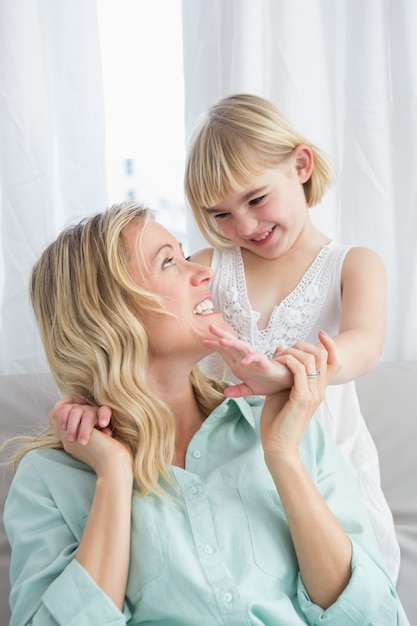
{"x": 201, "y": 274}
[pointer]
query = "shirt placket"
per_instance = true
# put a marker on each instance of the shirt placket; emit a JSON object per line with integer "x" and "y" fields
{"x": 204, "y": 535}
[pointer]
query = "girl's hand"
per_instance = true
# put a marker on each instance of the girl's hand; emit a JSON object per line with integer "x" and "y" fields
{"x": 78, "y": 419}
{"x": 260, "y": 375}
{"x": 90, "y": 444}
{"x": 333, "y": 361}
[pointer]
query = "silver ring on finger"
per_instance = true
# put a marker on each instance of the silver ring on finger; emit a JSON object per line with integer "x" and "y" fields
{"x": 315, "y": 374}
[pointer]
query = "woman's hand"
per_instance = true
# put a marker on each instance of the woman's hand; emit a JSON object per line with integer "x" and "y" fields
{"x": 104, "y": 548}
{"x": 78, "y": 419}
{"x": 286, "y": 414}
{"x": 260, "y": 375}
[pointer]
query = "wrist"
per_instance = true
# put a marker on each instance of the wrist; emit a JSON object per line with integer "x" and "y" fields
{"x": 288, "y": 473}
{"x": 116, "y": 486}
{"x": 283, "y": 461}
{"x": 118, "y": 469}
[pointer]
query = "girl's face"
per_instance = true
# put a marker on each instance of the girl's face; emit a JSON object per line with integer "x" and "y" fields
{"x": 157, "y": 264}
{"x": 270, "y": 213}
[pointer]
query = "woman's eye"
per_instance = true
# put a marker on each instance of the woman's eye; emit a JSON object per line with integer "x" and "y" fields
{"x": 168, "y": 262}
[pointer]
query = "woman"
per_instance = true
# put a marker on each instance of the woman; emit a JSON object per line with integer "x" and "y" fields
{"x": 197, "y": 510}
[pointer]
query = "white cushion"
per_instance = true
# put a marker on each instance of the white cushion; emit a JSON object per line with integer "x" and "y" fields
{"x": 387, "y": 397}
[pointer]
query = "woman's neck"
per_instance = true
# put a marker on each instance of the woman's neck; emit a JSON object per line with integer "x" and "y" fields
{"x": 178, "y": 394}
{"x": 188, "y": 416}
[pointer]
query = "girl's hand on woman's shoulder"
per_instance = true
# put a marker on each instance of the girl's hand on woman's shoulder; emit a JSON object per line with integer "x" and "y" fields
{"x": 77, "y": 419}
{"x": 86, "y": 435}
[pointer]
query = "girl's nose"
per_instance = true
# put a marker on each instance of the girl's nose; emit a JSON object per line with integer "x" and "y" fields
{"x": 246, "y": 225}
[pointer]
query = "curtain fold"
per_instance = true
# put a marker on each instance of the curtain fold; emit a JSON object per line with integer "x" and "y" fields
{"x": 343, "y": 71}
{"x": 52, "y": 156}
{"x": 345, "y": 74}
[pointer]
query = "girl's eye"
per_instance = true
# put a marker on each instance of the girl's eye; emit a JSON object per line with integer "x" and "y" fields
{"x": 168, "y": 262}
{"x": 221, "y": 216}
{"x": 256, "y": 201}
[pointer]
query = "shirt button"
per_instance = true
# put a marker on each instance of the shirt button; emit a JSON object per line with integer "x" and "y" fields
{"x": 227, "y": 597}
{"x": 208, "y": 550}
{"x": 193, "y": 490}
{"x": 225, "y": 408}
{"x": 196, "y": 454}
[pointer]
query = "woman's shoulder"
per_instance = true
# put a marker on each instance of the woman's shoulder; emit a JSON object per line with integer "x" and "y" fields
{"x": 51, "y": 466}
{"x": 47, "y": 475}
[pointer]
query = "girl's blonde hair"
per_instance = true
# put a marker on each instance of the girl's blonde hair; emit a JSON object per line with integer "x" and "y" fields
{"x": 89, "y": 313}
{"x": 238, "y": 138}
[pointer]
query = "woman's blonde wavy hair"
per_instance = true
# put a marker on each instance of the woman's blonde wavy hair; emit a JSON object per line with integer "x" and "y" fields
{"x": 236, "y": 140}
{"x": 89, "y": 314}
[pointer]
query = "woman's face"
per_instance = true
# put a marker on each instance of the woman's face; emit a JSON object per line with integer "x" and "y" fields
{"x": 157, "y": 264}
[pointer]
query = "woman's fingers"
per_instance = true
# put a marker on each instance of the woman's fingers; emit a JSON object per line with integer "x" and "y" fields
{"x": 308, "y": 363}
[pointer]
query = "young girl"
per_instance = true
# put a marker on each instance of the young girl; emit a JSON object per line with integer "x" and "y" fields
{"x": 250, "y": 180}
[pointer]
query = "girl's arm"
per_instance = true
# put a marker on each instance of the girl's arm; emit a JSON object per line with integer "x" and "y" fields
{"x": 261, "y": 375}
{"x": 362, "y": 328}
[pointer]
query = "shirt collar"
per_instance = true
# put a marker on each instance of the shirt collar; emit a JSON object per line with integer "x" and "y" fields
{"x": 249, "y": 408}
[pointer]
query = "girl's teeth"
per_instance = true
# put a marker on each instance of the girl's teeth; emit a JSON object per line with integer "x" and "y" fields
{"x": 263, "y": 236}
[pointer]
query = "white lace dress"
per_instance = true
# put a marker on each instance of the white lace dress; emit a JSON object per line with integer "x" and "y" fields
{"x": 315, "y": 304}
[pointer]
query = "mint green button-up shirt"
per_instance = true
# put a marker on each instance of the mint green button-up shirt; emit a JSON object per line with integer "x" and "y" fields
{"x": 218, "y": 552}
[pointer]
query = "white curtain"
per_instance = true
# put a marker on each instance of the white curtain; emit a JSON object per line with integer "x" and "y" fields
{"x": 52, "y": 158}
{"x": 345, "y": 73}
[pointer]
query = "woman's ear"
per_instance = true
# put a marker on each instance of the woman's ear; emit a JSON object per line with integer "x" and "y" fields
{"x": 304, "y": 162}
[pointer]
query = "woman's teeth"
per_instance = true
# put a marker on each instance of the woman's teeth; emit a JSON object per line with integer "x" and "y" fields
{"x": 204, "y": 308}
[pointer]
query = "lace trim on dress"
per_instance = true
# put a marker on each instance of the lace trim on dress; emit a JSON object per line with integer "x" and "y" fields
{"x": 292, "y": 319}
